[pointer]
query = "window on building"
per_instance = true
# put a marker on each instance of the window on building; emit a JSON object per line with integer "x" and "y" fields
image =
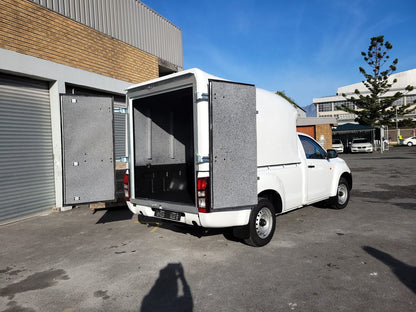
{"x": 346, "y": 117}
{"x": 398, "y": 102}
{"x": 345, "y": 104}
{"x": 410, "y": 99}
{"x": 325, "y": 107}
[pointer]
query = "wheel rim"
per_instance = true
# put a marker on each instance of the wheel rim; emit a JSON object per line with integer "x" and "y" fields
{"x": 264, "y": 223}
{"x": 342, "y": 194}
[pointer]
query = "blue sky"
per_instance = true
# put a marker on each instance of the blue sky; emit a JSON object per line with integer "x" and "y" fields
{"x": 306, "y": 48}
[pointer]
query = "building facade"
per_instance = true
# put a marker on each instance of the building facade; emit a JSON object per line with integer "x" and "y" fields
{"x": 318, "y": 128}
{"x": 53, "y": 48}
{"x": 327, "y": 106}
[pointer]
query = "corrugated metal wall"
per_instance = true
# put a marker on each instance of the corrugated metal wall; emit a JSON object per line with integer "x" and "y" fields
{"x": 26, "y": 155}
{"x": 130, "y": 21}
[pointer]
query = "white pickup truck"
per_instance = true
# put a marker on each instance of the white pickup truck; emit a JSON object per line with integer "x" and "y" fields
{"x": 213, "y": 153}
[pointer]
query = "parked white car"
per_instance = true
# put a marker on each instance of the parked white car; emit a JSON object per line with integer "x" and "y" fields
{"x": 410, "y": 141}
{"x": 361, "y": 145}
{"x": 338, "y": 146}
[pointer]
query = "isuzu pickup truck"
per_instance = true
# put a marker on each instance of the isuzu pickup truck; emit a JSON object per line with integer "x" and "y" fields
{"x": 213, "y": 153}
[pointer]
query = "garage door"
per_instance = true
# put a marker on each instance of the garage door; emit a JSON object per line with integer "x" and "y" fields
{"x": 26, "y": 157}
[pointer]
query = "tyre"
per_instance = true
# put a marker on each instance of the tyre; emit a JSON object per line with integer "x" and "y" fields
{"x": 340, "y": 201}
{"x": 409, "y": 144}
{"x": 262, "y": 223}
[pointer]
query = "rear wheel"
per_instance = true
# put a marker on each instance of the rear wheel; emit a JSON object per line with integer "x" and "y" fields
{"x": 262, "y": 223}
{"x": 340, "y": 201}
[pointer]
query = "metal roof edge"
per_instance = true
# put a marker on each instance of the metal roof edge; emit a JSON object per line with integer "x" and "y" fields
{"x": 311, "y": 121}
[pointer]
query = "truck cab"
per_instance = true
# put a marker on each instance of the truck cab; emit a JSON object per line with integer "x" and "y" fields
{"x": 208, "y": 152}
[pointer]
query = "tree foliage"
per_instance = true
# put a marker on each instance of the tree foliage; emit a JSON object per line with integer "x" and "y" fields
{"x": 287, "y": 98}
{"x": 376, "y": 107}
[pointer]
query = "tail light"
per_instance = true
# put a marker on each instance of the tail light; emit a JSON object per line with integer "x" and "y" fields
{"x": 203, "y": 194}
{"x": 126, "y": 187}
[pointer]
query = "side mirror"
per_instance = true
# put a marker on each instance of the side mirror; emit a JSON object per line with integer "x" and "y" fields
{"x": 331, "y": 153}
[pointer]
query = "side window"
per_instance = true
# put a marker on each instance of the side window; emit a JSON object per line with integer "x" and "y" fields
{"x": 312, "y": 149}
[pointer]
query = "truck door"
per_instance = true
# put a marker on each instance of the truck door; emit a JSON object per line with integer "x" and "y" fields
{"x": 318, "y": 170}
{"x": 88, "y": 149}
{"x": 233, "y": 148}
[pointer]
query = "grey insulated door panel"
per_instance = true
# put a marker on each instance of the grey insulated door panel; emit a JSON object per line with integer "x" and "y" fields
{"x": 233, "y": 148}
{"x": 88, "y": 149}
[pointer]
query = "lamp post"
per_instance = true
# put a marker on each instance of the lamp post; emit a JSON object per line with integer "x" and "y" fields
{"x": 397, "y": 127}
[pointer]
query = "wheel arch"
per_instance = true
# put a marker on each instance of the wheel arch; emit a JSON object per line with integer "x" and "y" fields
{"x": 347, "y": 176}
{"x": 275, "y": 198}
{"x": 334, "y": 184}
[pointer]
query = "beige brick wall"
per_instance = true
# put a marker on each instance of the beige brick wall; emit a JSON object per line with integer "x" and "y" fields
{"x": 31, "y": 29}
{"x": 326, "y": 131}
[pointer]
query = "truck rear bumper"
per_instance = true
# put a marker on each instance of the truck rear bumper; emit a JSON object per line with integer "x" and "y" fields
{"x": 208, "y": 220}
{"x": 225, "y": 218}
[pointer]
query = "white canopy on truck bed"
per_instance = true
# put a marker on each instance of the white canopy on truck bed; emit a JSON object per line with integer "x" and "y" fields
{"x": 276, "y": 117}
{"x": 276, "y": 130}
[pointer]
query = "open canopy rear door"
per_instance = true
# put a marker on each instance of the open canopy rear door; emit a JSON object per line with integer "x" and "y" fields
{"x": 88, "y": 149}
{"x": 233, "y": 149}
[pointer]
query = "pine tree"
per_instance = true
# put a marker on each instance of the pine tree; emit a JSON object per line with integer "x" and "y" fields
{"x": 376, "y": 108}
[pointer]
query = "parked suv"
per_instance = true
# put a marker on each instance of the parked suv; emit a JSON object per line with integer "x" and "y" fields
{"x": 337, "y": 145}
{"x": 361, "y": 145}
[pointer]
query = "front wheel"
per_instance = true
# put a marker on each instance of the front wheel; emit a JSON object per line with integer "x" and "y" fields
{"x": 262, "y": 223}
{"x": 409, "y": 144}
{"x": 340, "y": 201}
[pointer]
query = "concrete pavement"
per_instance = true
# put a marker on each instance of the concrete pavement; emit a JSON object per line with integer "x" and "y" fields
{"x": 362, "y": 258}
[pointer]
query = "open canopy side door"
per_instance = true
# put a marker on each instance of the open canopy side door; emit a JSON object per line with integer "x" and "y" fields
{"x": 233, "y": 148}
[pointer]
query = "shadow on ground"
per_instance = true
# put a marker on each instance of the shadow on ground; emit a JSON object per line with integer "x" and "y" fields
{"x": 123, "y": 214}
{"x": 404, "y": 272}
{"x": 116, "y": 214}
{"x": 386, "y": 192}
{"x": 196, "y": 231}
{"x": 170, "y": 292}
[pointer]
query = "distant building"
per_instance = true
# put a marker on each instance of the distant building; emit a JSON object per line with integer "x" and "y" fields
{"x": 318, "y": 128}
{"x": 301, "y": 111}
{"x": 327, "y": 106}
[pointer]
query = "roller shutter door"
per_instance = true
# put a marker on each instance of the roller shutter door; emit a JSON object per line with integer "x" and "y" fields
{"x": 26, "y": 155}
{"x": 119, "y": 128}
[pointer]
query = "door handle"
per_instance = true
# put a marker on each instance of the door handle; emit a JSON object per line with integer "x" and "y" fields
{"x": 311, "y": 166}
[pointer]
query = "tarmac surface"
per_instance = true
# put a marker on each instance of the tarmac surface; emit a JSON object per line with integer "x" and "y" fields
{"x": 361, "y": 258}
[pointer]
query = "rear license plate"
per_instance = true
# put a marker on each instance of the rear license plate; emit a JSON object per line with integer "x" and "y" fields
{"x": 167, "y": 214}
